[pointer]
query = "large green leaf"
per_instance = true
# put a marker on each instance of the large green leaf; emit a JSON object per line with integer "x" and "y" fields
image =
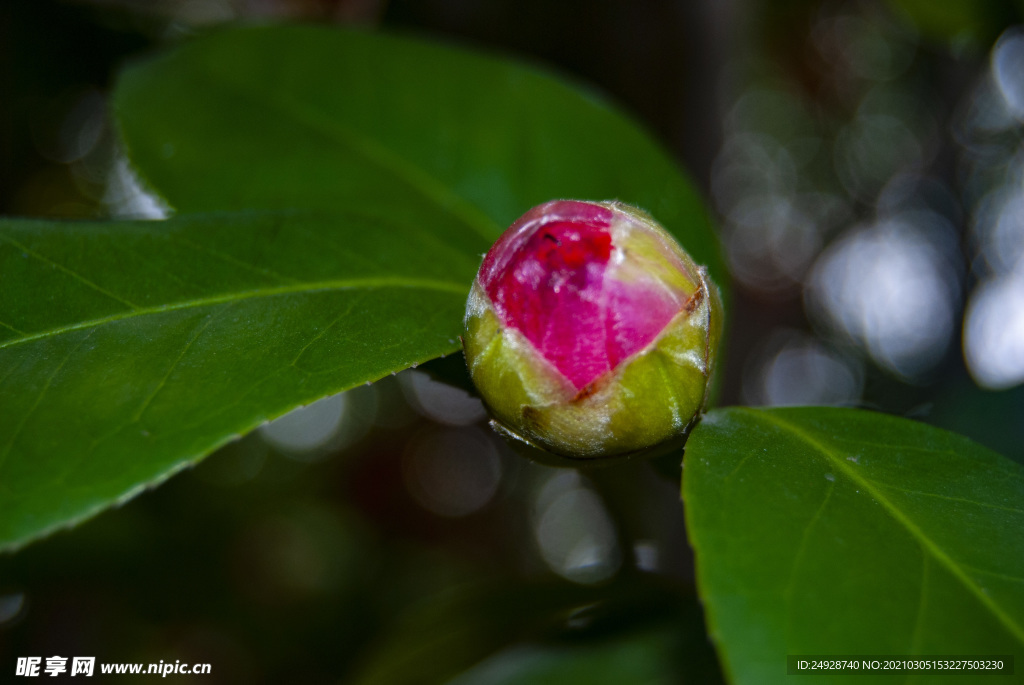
{"x": 128, "y": 350}
{"x": 456, "y": 143}
{"x": 837, "y": 531}
{"x": 349, "y": 183}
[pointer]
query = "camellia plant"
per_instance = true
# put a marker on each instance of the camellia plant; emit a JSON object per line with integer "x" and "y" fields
{"x": 314, "y": 246}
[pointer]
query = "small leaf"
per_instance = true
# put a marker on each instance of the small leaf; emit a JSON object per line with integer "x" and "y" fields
{"x": 837, "y": 531}
{"x": 128, "y": 350}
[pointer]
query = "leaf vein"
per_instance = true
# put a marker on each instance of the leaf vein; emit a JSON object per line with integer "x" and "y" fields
{"x": 69, "y": 272}
{"x": 995, "y": 574}
{"x": 964, "y": 500}
{"x": 922, "y": 602}
{"x": 12, "y": 328}
{"x": 798, "y": 558}
{"x": 39, "y": 399}
{"x": 348, "y": 310}
{"x": 305, "y": 288}
{"x": 203, "y": 249}
{"x": 197, "y": 333}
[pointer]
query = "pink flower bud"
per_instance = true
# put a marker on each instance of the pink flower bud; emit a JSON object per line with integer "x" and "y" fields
{"x": 590, "y": 332}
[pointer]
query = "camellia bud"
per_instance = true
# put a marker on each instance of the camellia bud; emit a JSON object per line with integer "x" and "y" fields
{"x": 590, "y": 332}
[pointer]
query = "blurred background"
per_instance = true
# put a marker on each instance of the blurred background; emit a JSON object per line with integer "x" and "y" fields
{"x": 866, "y": 164}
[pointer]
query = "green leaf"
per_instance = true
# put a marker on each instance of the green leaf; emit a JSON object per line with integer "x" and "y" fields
{"x": 347, "y": 185}
{"x": 129, "y": 350}
{"x": 454, "y": 143}
{"x": 837, "y": 531}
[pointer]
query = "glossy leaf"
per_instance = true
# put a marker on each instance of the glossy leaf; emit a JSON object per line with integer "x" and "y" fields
{"x": 456, "y": 143}
{"x": 837, "y": 531}
{"x": 129, "y": 350}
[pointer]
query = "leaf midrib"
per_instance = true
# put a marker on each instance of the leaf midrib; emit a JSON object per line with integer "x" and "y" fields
{"x": 926, "y": 542}
{"x": 318, "y": 286}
